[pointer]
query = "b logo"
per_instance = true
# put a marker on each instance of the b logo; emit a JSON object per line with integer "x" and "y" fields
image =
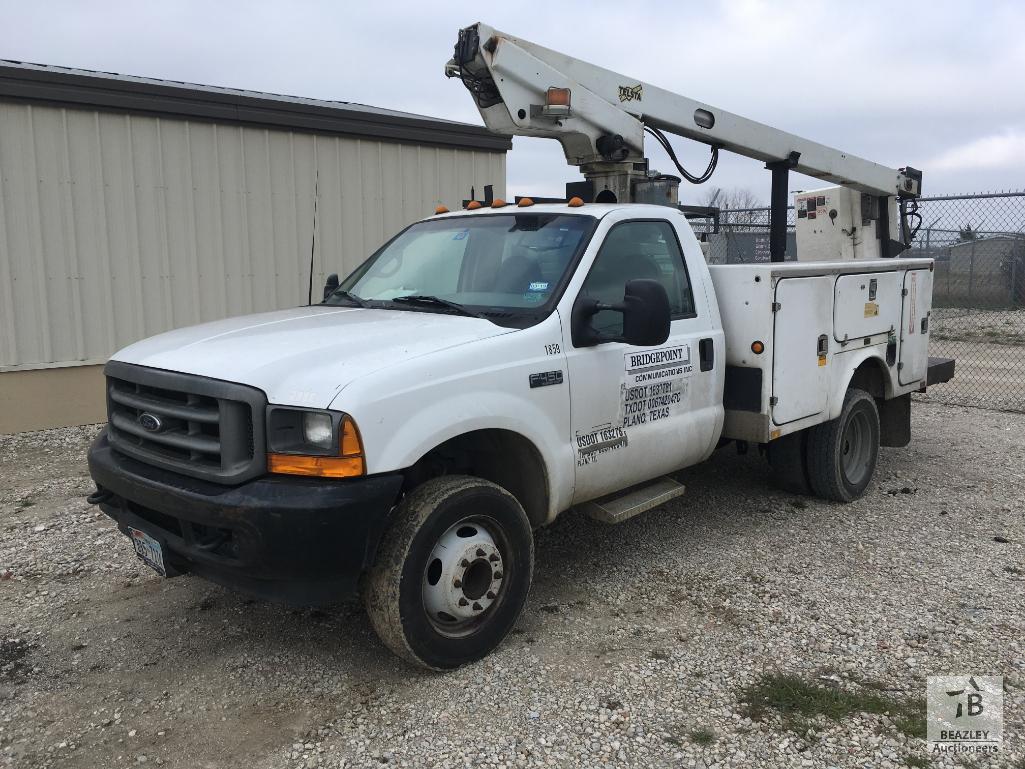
{"x": 974, "y": 703}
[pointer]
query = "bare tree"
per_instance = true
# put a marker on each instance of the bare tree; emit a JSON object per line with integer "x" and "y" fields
{"x": 736, "y": 201}
{"x": 734, "y": 198}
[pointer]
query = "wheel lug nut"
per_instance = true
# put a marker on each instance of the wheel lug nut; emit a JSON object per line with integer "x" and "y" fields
{"x": 477, "y": 606}
{"x": 457, "y": 583}
{"x": 498, "y": 575}
{"x": 463, "y": 602}
{"x": 464, "y": 563}
{"x": 491, "y": 594}
{"x": 492, "y": 558}
{"x": 480, "y": 553}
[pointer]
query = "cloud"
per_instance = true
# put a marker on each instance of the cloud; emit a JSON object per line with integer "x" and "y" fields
{"x": 1003, "y": 150}
{"x": 832, "y": 72}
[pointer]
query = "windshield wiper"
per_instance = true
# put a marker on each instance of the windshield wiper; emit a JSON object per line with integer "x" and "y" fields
{"x": 437, "y": 301}
{"x": 358, "y": 300}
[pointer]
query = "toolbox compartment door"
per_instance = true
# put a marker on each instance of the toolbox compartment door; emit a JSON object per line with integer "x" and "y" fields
{"x": 866, "y": 304}
{"x": 804, "y": 315}
{"x": 913, "y": 360}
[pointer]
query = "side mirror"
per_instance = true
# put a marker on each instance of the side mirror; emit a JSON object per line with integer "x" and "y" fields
{"x": 331, "y": 284}
{"x": 646, "y": 316}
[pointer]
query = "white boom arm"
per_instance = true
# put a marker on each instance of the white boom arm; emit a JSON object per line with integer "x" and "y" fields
{"x": 510, "y": 80}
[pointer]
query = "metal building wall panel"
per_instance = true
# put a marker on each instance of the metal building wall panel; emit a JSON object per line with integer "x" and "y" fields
{"x": 114, "y": 227}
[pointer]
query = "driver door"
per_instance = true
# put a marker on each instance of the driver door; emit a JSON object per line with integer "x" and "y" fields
{"x": 638, "y": 412}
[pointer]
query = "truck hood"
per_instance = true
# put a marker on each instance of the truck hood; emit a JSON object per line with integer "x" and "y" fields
{"x": 305, "y": 356}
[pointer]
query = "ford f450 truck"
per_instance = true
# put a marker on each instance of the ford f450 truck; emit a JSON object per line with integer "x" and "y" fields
{"x": 482, "y": 372}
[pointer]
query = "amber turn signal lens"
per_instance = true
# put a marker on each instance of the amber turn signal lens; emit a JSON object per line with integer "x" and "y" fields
{"x": 524, "y": 202}
{"x": 575, "y": 202}
{"x": 441, "y": 210}
{"x": 351, "y": 443}
{"x": 473, "y": 205}
{"x": 320, "y": 467}
{"x": 757, "y": 348}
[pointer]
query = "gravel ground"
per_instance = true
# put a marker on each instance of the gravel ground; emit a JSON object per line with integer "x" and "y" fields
{"x": 989, "y": 346}
{"x": 635, "y": 649}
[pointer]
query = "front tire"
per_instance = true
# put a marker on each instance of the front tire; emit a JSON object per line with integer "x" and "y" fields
{"x": 843, "y": 452}
{"x": 452, "y": 574}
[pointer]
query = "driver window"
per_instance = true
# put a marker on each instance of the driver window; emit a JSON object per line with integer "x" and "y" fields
{"x": 634, "y": 250}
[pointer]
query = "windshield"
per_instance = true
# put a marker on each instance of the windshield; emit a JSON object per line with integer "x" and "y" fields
{"x": 503, "y": 262}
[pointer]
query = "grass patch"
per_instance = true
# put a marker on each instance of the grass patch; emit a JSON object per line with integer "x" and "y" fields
{"x": 13, "y": 658}
{"x": 797, "y": 701}
{"x": 986, "y": 336}
{"x": 702, "y": 736}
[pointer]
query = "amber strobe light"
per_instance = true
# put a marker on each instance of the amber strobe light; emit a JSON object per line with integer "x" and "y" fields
{"x": 557, "y": 97}
{"x": 349, "y": 464}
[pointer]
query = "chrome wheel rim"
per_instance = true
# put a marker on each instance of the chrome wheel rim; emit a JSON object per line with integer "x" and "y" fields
{"x": 463, "y": 578}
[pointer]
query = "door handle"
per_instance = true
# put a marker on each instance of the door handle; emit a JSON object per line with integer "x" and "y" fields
{"x": 706, "y": 354}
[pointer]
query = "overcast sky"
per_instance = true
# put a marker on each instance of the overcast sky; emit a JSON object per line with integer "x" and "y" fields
{"x": 935, "y": 85}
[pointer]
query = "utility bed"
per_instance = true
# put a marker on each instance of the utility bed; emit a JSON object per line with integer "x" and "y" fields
{"x": 816, "y": 323}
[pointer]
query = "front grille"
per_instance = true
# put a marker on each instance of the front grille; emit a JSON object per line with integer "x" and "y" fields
{"x": 197, "y": 426}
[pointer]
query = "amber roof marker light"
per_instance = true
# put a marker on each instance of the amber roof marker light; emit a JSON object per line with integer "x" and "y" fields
{"x": 440, "y": 210}
{"x": 575, "y": 202}
{"x": 473, "y": 205}
{"x": 524, "y": 202}
{"x": 556, "y": 102}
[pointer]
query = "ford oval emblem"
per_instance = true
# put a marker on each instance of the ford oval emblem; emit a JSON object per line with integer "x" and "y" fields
{"x": 150, "y": 422}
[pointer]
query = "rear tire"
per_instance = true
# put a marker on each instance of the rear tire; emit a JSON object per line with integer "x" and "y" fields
{"x": 788, "y": 458}
{"x": 452, "y": 574}
{"x": 843, "y": 452}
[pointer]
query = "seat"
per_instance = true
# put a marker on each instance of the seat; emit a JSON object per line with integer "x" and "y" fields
{"x": 517, "y": 272}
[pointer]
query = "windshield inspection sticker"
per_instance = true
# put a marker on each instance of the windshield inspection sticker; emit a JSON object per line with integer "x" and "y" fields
{"x": 656, "y": 384}
{"x": 461, "y": 235}
{"x": 538, "y": 286}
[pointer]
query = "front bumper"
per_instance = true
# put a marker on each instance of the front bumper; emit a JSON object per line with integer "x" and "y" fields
{"x": 302, "y": 541}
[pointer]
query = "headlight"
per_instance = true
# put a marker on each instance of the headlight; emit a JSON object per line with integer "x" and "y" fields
{"x": 310, "y": 442}
{"x": 319, "y": 429}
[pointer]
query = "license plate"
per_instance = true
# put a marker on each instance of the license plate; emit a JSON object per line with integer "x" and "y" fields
{"x": 149, "y": 550}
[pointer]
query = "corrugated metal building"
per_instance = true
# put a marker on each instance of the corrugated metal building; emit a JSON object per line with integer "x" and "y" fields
{"x": 130, "y": 206}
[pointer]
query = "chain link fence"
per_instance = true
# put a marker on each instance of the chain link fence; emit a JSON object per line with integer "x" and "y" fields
{"x": 978, "y": 244}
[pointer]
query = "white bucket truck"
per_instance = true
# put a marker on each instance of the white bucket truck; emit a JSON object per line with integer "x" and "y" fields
{"x": 489, "y": 368}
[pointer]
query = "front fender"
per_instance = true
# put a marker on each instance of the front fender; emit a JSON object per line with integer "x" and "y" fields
{"x": 398, "y": 443}
{"x": 406, "y": 411}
